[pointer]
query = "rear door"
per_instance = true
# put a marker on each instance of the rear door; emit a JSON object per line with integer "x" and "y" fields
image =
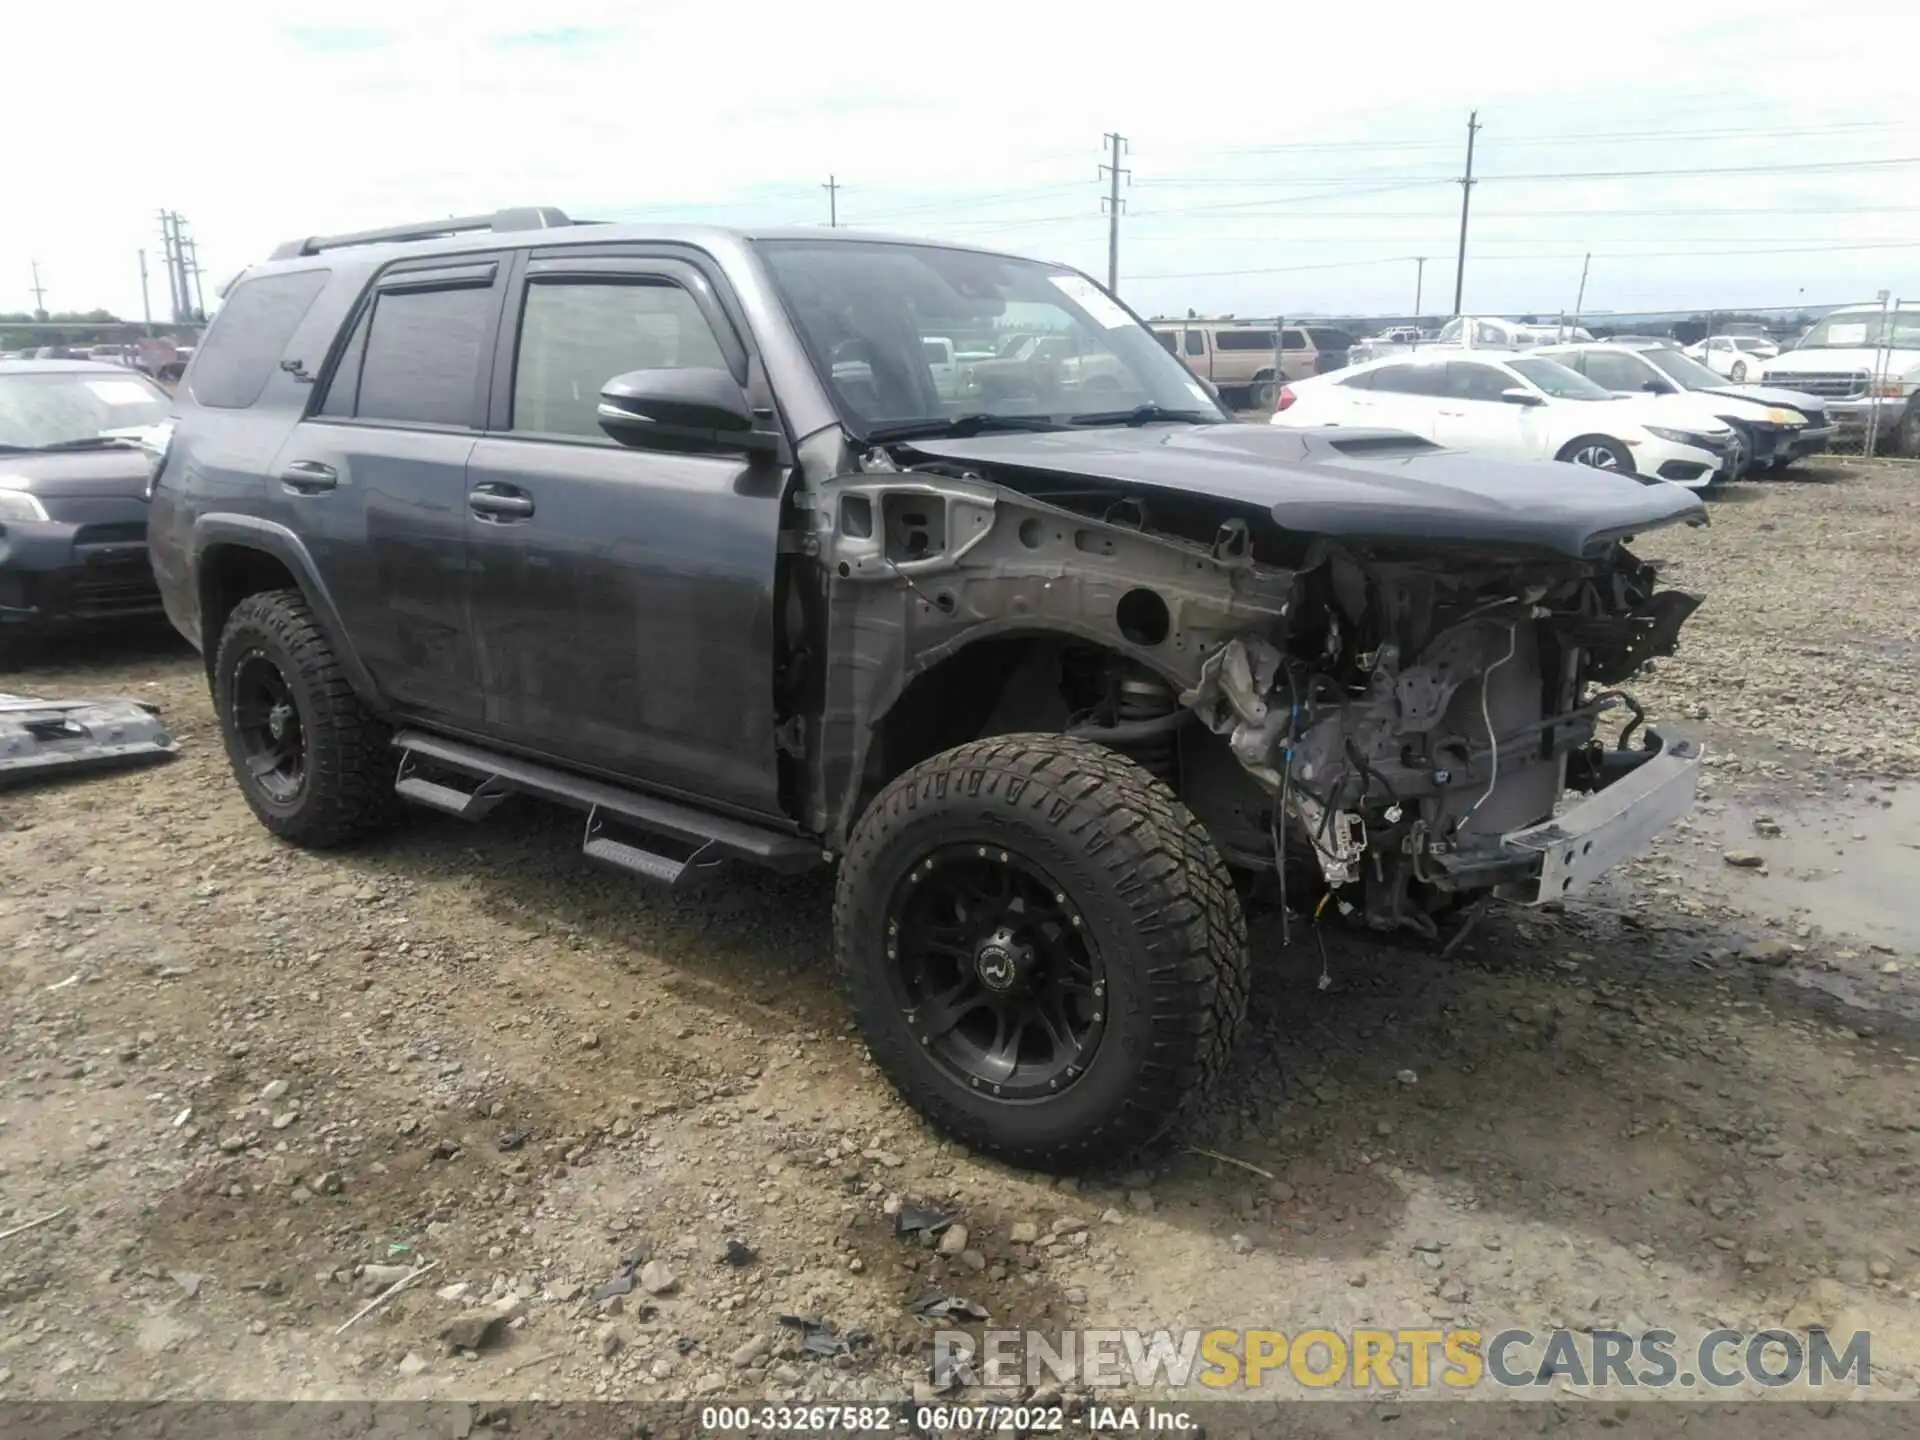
{"x": 1400, "y": 397}
{"x": 378, "y": 473}
{"x": 1472, "y": 415}
{"x": 623, "y": 598}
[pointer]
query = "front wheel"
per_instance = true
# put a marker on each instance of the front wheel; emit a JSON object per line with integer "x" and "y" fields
{"x": 1042, "y": 948}
{"x": 1601, "y": 452}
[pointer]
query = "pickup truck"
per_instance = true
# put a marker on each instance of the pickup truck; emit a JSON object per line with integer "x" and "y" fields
{"x": 1864, "y": 363}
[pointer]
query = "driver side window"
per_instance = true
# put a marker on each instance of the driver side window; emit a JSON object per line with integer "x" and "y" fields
{"x": 577, "y": 335}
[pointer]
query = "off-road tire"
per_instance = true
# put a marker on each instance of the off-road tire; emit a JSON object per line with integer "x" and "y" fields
{"x": 1158, "y": 904}
{"x": 1906, "y": 435}
{"x": 1623, "y": 457}
{"x": 347, "y": 793}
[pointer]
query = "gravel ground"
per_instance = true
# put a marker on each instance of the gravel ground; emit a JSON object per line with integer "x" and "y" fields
{"x": 256, "y": 1081}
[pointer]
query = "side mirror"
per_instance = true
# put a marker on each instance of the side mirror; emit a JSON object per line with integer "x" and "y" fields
{"x": 1517, "y": 396}
{"x": 644, "y": 408}
{"x": 1654, "y": 387}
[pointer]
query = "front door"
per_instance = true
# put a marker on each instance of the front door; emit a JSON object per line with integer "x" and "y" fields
{"x": 623, "y": 598}
{"x": 1472, "y": 415}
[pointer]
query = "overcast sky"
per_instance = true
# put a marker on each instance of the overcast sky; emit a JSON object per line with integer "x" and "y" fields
{"x": 1284, "y": 158}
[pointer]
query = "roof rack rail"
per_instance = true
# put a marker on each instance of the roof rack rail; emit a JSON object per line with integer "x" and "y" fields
{"x": 521, "y": 217}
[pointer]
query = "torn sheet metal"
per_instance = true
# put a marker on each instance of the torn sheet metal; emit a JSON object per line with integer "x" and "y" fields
{"x": 38, "y": 736}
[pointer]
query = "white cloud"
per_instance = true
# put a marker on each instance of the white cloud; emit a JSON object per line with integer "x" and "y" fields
{"x": 263, "y": 121}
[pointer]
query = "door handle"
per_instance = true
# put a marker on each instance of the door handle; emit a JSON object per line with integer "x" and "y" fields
{"x": 499, "y": 503}
{"x": 309, "y": 477}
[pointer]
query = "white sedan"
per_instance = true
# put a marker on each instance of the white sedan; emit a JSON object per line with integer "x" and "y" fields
{"x": 1517, "y": 406}
{"x": 1738, "y": 357}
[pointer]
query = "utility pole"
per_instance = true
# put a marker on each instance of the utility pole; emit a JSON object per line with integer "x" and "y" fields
{"x": 146, "y": 296}
{"x": 1466, "y": 198}
{"x": 1116, "y": 146}
{"x": 39, "y": 292}
{"x": 1581, "y": 298}
{"x": 832, "y": 187}
{"x": 170, "y": 255}
{"x": 190, "y": 271}
{"x": 1419, "y": 283}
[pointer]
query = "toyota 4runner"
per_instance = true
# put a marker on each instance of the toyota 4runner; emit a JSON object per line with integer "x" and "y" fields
{"x": 675, "y": 527}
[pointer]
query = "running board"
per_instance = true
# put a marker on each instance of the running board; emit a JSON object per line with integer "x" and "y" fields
{"x": 710, "y": 838}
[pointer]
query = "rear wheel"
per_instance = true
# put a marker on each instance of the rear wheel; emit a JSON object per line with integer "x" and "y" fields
{"x": 1601, "y": 452}
{"x": 315, "y": 767}
{"x": 1260, "y": 397}
{"x": 1042, "y": 947}
{"x": 1739, "y": 372}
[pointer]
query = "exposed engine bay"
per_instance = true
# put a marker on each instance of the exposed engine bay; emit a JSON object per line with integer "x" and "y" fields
{"x": 1389, "y": 724}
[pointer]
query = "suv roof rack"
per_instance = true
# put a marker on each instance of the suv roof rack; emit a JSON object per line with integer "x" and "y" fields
{"x": 521, "y": 217}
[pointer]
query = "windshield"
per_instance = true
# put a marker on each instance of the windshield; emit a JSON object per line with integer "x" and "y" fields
{"x": 1557, "y": 380}
{"x": 1061, "y": 346}
{"x": 1863, "y": 328}
{"x": 63, "y": 407}
{"x": 1690, "y": 373}
{"x": 1750, "y": 342}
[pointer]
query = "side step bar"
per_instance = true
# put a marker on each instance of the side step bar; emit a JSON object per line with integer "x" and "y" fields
{"x": 712, "y": 839}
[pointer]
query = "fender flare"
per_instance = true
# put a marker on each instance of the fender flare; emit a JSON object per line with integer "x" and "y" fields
{"x": 250, "y": 532}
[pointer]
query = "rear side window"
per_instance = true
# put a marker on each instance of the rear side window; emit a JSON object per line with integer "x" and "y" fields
{"x": 1410, "y": 379}
{"x": 249, "y": 337}
{"x": 1243, "y": 340}
{"x": 422, "y": 362}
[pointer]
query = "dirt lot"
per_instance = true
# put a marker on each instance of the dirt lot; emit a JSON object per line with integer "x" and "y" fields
{"x": 246, "y": 1072}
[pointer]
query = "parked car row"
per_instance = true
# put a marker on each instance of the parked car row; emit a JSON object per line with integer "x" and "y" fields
{"x": 1522, "y": 406}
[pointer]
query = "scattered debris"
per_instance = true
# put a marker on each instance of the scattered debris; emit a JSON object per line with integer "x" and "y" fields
{"x": 735, "y": 1253}
{"x": 34, "y": 1224}
{"x": 816, "y": 1338}
{"x": 1229, "y": 1160}
{"x": 921, "y": 1220}
{"x": 1744, "y": 860}
{"x": 38, "y": 736}
{"x": 513, "y": 1140}
{"x": 935, "y": 1305}
{"x": 386, "y": 1295}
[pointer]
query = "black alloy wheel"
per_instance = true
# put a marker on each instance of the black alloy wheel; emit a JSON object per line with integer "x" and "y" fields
{"x": 266, "y": 723}
{"x": 995, "y": 972}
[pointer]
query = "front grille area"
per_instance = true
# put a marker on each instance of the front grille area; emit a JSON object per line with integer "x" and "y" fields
{"x": 1827, "y": 384}
{"x": 119, "y": 585}
{"x": 127, "y": 532}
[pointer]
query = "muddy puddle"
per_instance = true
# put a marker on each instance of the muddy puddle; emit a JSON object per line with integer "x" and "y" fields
{"x": 1848, "y": 866}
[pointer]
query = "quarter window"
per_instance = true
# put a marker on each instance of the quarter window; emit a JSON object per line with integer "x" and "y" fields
{"x": 250, "y": 336}
{"x": 1196, "y": 343}
{"x": 576, "y": 335}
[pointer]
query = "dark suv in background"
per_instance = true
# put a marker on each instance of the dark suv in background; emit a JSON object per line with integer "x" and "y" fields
{"x": 678, "y": 527}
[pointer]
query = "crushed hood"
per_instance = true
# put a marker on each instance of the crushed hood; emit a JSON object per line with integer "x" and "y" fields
{"x": 1350, "y": 484}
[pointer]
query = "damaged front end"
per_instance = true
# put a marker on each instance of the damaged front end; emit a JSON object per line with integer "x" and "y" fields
{"x": 1419, "y": 730}
{"x": 1391, "y": 722}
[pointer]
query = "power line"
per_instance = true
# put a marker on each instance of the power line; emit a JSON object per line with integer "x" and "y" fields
{"x": 1753, "y": 132}
{"x": 1542, "y": 255}
{"x": 1259, "y": 183}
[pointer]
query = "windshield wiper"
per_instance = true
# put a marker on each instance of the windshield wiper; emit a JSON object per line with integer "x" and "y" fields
{"x": 90, "y": 442}
{"x": 958, "y": 428}
{"x": 1147, "y": 415}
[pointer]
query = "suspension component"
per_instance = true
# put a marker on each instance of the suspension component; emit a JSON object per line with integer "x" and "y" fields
{"x": 1146, "y": 697}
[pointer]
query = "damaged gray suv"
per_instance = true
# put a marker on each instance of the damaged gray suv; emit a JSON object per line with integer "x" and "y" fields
{"x": 677, "y": 527}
